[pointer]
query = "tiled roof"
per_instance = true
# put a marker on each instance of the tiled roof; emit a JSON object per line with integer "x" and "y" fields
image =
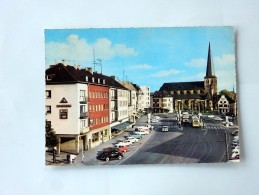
{"x": 182, "y": 86}
{"x": 69, "y": 74}
{"x": 128, "y": 85}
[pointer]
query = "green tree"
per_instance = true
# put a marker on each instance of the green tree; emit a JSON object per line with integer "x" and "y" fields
{"x": 228, "y": 94}
{"x": 51, "y": 138}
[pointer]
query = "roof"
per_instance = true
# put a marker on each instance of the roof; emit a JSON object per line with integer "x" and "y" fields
{"x": 210, "y": 67}
{"x": 128, "y": 85}
{"x": 61, "y": 74}
{"x": 182, "y": 86}
{"x": 161, "y": 94}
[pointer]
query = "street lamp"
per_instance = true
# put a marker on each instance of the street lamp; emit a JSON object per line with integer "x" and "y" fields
{"x": 179, "y": 108}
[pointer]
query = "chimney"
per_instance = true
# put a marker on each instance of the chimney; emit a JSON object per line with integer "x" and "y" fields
{"x": 89, "y": 69}
{"x": 64, "y": 62}
{"x": 77, "y": 66}
{"x": 113, "y": 77}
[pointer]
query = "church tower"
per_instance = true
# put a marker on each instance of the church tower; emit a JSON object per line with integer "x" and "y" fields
{"x": 210, "y": 80}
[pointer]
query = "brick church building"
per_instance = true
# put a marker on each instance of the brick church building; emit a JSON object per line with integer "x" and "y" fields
{"x": 196, "y": 95}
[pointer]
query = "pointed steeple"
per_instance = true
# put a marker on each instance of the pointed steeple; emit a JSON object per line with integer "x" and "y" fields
{"x": 210, "y": 67}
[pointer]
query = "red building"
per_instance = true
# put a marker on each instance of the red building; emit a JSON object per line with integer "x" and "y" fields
{"x": 98, "y": 106}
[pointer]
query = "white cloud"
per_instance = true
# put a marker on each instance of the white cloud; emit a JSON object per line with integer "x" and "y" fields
{"x": 197, "y": 62}
{"x": 141, "y": 66}
{"x": 227, "y": 59}
{"x": 165, "y": 73}
{"x": 79, "y": 50}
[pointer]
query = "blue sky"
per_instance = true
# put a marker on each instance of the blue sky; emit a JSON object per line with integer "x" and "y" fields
{"x": 147, "y": 56}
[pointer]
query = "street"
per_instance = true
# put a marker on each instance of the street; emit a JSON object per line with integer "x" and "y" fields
{"x": 186, "y": 145}
{"x": 209, "y": 143}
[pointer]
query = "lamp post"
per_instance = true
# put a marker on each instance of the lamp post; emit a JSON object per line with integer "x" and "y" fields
{"x": 179, "y": 108}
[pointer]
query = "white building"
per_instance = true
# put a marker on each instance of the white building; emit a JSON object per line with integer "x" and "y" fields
{"x": 123, "y": 105}
{"x": 132, "y": 99}
{"x": 145, "y": 98}
{"x": 67, "y": 111}
{"x": 162, "y": 102}
{"x": 223, "y": 105}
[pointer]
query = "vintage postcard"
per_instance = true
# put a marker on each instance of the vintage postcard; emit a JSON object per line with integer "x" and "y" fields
{"x": 131, "y": 96}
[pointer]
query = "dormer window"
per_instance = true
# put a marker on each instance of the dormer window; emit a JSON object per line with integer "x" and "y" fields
{"x": 103, "y": 81}
{"x": 98, "y": 80}
{"x": 49, "y": 77}
{"x": 93, "y": 79}
{"x": 86, "y": 78}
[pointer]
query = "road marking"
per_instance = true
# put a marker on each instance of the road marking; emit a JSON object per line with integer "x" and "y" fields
{"x": 205, "y": 132}
{"x": 137, "y": 149}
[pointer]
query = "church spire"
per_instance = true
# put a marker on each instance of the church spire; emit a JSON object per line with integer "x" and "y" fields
{"x": 210, "y": 68}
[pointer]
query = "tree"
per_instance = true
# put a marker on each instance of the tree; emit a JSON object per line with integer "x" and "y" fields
{"x": 51, "y": 138}
{"x": 228, "y": 94}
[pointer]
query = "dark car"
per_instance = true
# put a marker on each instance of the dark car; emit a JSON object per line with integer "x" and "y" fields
{"x": 110, "y": 155}
{"x": 121, "y": 149}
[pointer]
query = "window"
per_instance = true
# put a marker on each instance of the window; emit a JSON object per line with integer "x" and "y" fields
{"x": 86, "y": 78}
{"x": 49, "y": 77}
{"x": 63, "y": 113}
{"x": 105, "y": 133}
{"x": 48, "y": 123}
{"x": 82, "y": 124}
{"x": 48, "y": 93}
{"x": 82, "y": 108}
{"x": 95, "y": 137}
{"x": 48, "y": 109}
{"x": 93, "y": 79}
{"x": 82, "y": 93}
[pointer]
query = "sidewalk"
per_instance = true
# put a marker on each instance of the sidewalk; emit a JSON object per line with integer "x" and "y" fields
{"x": 89, "y": 156}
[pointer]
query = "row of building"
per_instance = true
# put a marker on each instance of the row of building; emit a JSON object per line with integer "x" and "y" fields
{"x": 89, "y": 107}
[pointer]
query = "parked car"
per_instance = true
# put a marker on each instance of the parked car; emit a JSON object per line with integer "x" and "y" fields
{"x": 132, "y": 139}
{"x": 235, "y": 158}
{"x": 235, "y": 143}
{"x": 230, "y": 123}
{"x": 121, "y": 149}
{"x": 136, "y": 136}
{"x": 235, "y": 132}
{"x": 236, "y": 137}
{"x": 141, "y": 132}
{"x": 218, "y": 119}
{"x": 110, "y": 155}
{"x": 123, "y": 143}
{"x": 165, "y": 128}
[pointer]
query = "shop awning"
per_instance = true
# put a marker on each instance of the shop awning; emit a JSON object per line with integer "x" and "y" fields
{"x": 121, "y": 126}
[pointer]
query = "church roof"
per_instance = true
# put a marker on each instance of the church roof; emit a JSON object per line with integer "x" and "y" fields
{"x": 182, "y": 86}
{"x": 210, "y": 67}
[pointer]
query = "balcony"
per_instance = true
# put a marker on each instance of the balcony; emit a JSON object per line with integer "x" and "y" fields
{"x": 84, "y": 130}
{"x": 83, "y": 100}
{"x": 114, "y": 108}
{"x": 83, "y": 115}
{"x": 114, "y": 97}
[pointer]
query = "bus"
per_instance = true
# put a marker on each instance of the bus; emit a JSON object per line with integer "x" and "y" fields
{"x": 196, "y": 121}
{"x": 185, "y": 117}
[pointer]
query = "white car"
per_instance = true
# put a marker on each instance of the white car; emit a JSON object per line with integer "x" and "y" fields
{"x": 165, "y": 128}
{"x": 218, "y": 119}
{"x": 141, "y": 132}
{"x": 132, "y": 139}
{"x": 230, "y": 124}
{"x": 123, "y": 143}
{"x": 236, "y": 138}
{"x": 235, "y": 153}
